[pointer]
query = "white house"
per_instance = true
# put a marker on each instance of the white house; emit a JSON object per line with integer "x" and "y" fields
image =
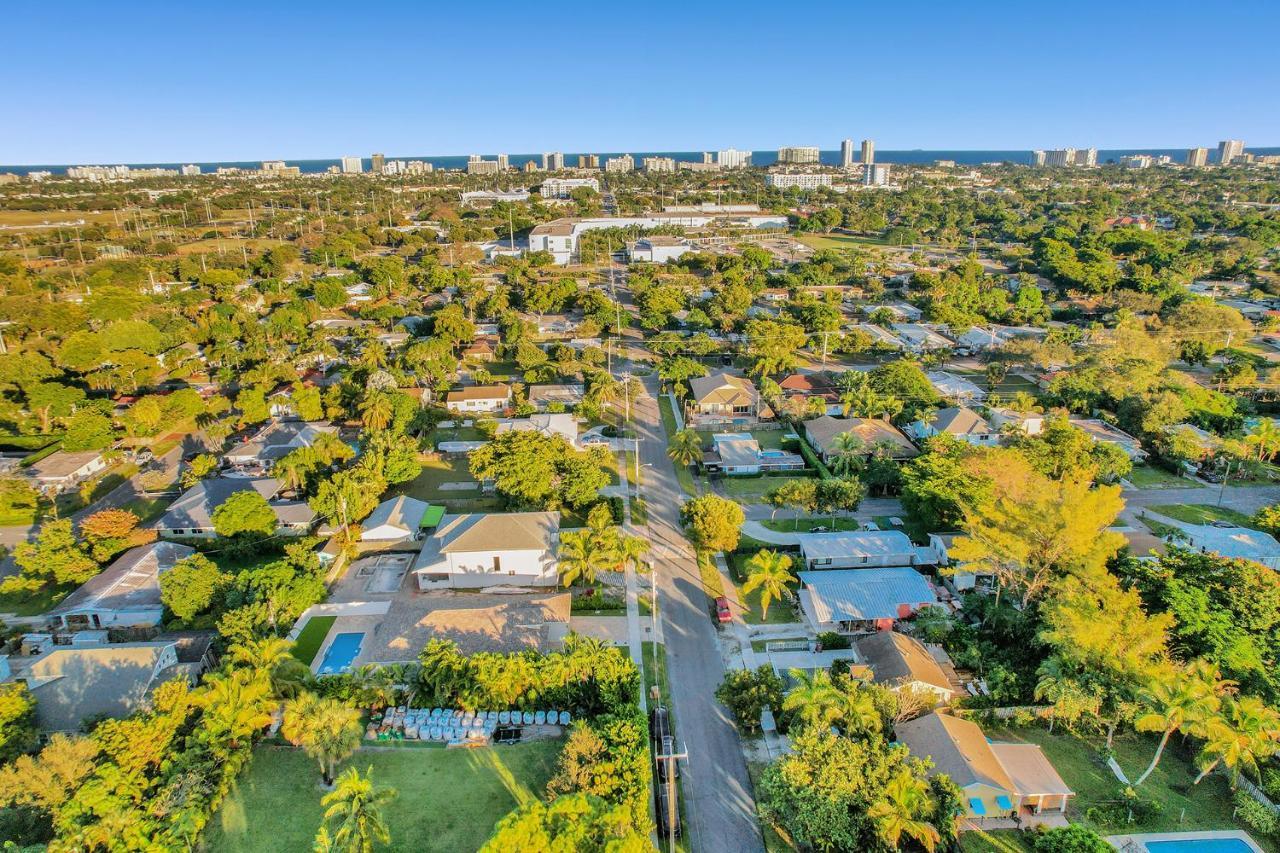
{"x": 125, "y": 593}
{"x": 562, "y": 424}
{"x": 393, "y": 520}
{"x": 957, "y": 422}
{"x": 859, "y": 549}
{"x": 921, "y": 338}
{"x": 863, "y": 601}
{"x": 940, "y": 544}
{"x": 191, "y": 515}
{"x": 62, "y": 470}
{"x": 955, "y": 388}
{"x": 479, "y": 398}
{"x": 1031, "y": 423}
{"x": 736, "y": 454}
{"x": 474, "y": 551}
{"x": 1237, "y": 542}
{"x": 257, "y": 454}
{"x": 1102, "y": 431}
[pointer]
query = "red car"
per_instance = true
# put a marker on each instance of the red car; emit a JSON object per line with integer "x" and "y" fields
{"x": 723, "y": 614}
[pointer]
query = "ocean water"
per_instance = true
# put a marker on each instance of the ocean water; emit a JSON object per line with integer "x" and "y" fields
{"x": 758, "y": 158}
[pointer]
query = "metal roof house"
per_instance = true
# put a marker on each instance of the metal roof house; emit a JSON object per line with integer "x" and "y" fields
{"x": 862, "y": 601}
{"x": 125, "y": 593}
{"x": 859, "y": 549}
{"x": 191, "y": 515}
{"x": 1236, "y": 542}
{"x": 394, "y": 519}
{"x": 476, "y": 550}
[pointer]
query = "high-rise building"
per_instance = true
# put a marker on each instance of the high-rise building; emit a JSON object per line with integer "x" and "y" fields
{"x": 802, "y": 180}
{"x": 794, "y": 155}
{"x": 1060, "y": 158}
{"x": 625, "y": 163}
{"x": 1230, "y": 150}
{"x": 1037, "y": 158}
{"x": 504, "y": 163}
{"x": 846, "y": 153}
{"x": 731, "y": 158}
{"x": 875, "y": 175}
{"x": 1086, "y": 157}
{"x": 588, "y": 161}
{"x": 352, "y": 165}
{"x": 553, "y": 161}
{"x": 868, "y": 151}
{"x": 1197, "y": 157}
{"x": 564, "y": 187}
{"x": 1137, "y": 161}
{"x": 530, "y": 166}
{"x": 479, "y": 166}
{"x": 707, "y": 157}
{"x": 190, "y": 169}
{"x": 659, "y": 164}
{"x": 278, "y": 167}
{"x": 377, "y": 163}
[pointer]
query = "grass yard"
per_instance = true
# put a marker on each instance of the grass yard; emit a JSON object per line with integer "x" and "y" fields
{"x": 655, "y": 672}
{"x": 311, "y": 637}
{"x": 32, "y": 604}
{"x": 804, "y": 525}
{"x": 668, "y": 415}
{"x": 1183, "y": 807}
{"x": 639, "y": 512}
{"x": 54, "y": 218}
{"x": 1151, "y": 477}
{"x": 780, "y": 612}
{"x": 148, "y": 509}
{"x": 838, "y": 241}
{"x": 460, "y": 433}
{"x": 1201, "y": 513}
{"x": 712, "y": 580}
{"x": 435, "y": 473}
{"x": 228, "y": 244}
{"x": 752, "y": 489}
{"x": 449, "y": 799}
{"x": 997, "y": 840}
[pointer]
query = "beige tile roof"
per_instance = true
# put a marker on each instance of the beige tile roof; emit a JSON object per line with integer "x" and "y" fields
{"x": 723, "y": 389}
{"x": 896, "y": 658}
{"x": 957, "y": 747}
{"x": 823, "y": 431}
{"x": 480, "y": 392}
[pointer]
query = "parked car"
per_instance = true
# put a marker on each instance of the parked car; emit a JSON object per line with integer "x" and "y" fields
{"x": 723, "y": 613}
{"x": 593, "y": 439}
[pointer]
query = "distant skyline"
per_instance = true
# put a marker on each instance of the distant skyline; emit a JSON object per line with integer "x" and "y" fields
{"x": 151, "y": 82}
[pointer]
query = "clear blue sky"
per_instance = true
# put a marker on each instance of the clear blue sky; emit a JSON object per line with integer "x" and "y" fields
{"x": 231, "y": 80}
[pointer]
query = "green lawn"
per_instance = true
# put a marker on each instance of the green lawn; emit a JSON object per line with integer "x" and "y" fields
{"x": 148, "y": 509}
{"x": 448, "y": 799}
{"x": 18, "y": 518}
{"x": 1206, "y": 806}
{"x": 803, "y": 525}
{"x": 752, "y": 488}
{"x": 312, "y": 637}
{"x": 639, "y": 512}
{"x": 712, "y": 580}
{"x": 440, "y": 434}
{"x": 668, "y": 416}
{"x": 839, "y": 241}
{"x": 436, "y": 472}
{"x": 655, "y": 672}
{"x": 1201, "y": 513}
{"x": 1151, "y": 477}
{"x": 995, "y": 841}
{"x": 780, "y": 612}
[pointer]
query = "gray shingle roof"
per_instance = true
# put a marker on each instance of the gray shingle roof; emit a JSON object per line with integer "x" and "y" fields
{"x": 510, "y": 531}
{"x": 132, "y": 581}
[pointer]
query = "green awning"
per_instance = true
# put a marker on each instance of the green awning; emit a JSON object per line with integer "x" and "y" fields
{"x": 431, "y": 518}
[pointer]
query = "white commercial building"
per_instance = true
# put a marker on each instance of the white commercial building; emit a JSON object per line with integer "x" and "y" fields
{"x": 787, "y": 180}
{"x": 659, "y": 164}
{"x": 553, "y": 161}
{"x": 564, "y": 187}
{"x": 846, "y": 153}
{"x": 625, "y": 163}
{"x": 1230, "y": 150}
{"x": 190, "y": 169}
{"x": 657, "y": 249}
{"x": 731, "y": 158}
{"x": 352, "y": 165}
{"x": 874, "y": 175}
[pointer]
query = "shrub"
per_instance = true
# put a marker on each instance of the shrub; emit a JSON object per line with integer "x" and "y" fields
{"x": 1070, "y": 839}
{"x": 1258, "y": 817}
{"x": 832, "y": 640}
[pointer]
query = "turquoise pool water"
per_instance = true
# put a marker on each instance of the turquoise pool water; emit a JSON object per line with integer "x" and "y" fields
{"x": 341, "y": 652}
{"x": 1199, "y": 845}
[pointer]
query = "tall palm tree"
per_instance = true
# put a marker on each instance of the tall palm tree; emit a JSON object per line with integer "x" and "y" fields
{"x": 577, "y": 557}
{"x": 814, "y": 699}
{"x": 272, "y": 658}
{"x": 376, "y": 410}
{"x": 631, "y": 551}
{"x": 1265, "y": 439}
{"x": 324, "y": 728}
{"x": 1185, "y": 701}
{"x": 769, "y": 572}
{"x": 1248, "y": 732}
{"x": 356, "y": 807}
{"x": 897, "y": 812}
{"x": 860, "y": 716}
{"x": 686, "y": 447}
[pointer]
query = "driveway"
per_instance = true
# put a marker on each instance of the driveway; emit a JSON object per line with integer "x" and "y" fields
{"x": 719, "y": 802}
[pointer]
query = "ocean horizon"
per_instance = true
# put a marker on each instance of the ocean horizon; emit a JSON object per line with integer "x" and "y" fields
{"x": 758, "y": 158}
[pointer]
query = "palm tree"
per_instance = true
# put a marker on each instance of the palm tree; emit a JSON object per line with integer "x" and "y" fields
{"x": 814, "y": 699}
{"x": 1265, "y": 438}
{"x": 895, "y": 814}
{"x": 686, "y": 447}
{"x": 357, "y": 806}
{"x": 272, "y": 658}
{"x": 630, "y": 553}
{"x": 769, "y": 572}
{"x": 849, "y": 449}
{"x": 1183, "y": 701}
{"x": 1247, "y": 732}
{"x": 577, "y": 557}
{"x": 325, "y": 729}
{"x": 235, "y": 708}
{"x": 860, "y": 716}
{"x": 376, "y": 410}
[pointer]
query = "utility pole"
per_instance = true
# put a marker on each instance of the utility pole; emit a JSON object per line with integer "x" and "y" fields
{"x": 670, "y": 756}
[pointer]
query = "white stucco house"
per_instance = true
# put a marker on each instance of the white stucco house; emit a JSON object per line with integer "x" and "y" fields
{"x": 477, "y": 550}
{"x": 479, "y": 398}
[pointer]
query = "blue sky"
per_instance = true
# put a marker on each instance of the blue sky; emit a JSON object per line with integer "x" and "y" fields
{"x": 231, "y": 80}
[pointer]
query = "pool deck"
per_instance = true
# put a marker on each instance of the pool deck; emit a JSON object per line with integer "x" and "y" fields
{"x": 1138, "y": 843}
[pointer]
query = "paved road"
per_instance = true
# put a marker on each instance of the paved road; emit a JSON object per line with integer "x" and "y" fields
{"x": 719, "y": 802}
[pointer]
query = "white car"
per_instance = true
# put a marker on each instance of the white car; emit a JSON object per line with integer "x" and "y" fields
{"x": 594, "y": 439}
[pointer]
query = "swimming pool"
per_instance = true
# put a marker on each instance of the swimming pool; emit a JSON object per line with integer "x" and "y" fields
{"x": 1199, "y": 845}
{"x": 340, "y": 654}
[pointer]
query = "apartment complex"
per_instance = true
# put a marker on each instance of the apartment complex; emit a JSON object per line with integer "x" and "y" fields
{"x": 1064, "y": 158}
{"x": 659, "y": 164}
{"x": 787, "y": 180}
{"x": 625, "y": 163}
{"x": 868, "y": 151}
{"x": 352, "y": 165}
{"x": 731, "y": 158}
{"x": 1197, "y": 157}
{"x": 588, "y": 161}
{"x": 553, "y": 161}
{"x": 564, "y": 187}
{"x": 1229, "y": 151}
{"x": 798, "y": 155}
{"x": 846, "y": 153}
{"x": 478, "y": 166}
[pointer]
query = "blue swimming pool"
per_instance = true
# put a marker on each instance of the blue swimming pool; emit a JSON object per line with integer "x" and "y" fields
{"x": 340, "y": 654}
{"x": 1199, "y": 845}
